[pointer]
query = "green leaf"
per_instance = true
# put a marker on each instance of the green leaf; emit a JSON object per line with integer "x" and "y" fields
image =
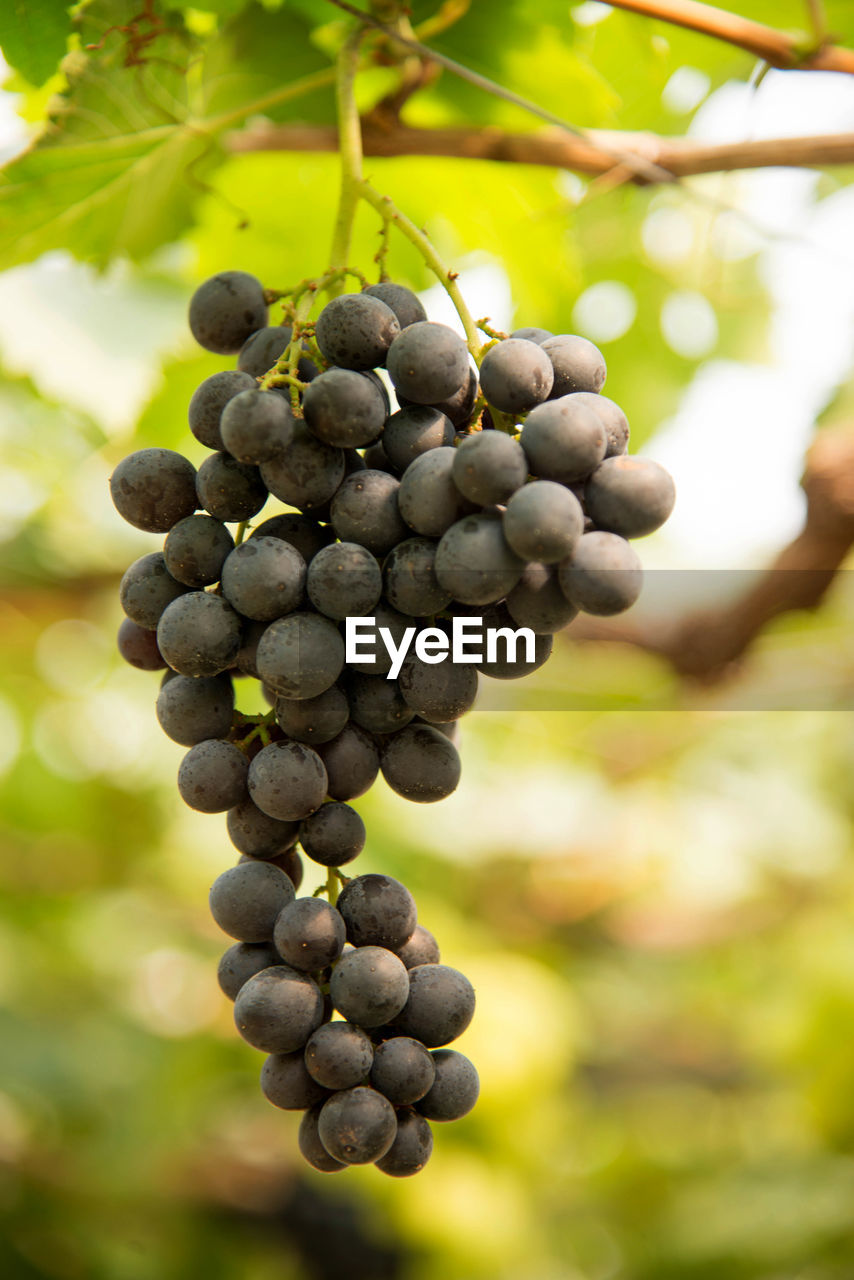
{"x": 34, "y": 36}
{"x": 136, "y": 136}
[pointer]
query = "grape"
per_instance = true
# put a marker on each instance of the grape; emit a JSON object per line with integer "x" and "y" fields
{"x": 138, "y": 646}
{"x": 420, "y": 948}
{"x": 195, "y": 550}
{"x": 578, "y": 365}
{"x": 365, "y": 510}
{"x": 290, "y": 862}
{"x": 489, "y": 467}
{"x": 258, "y": 835}
{"x": 344, "y": 408}
{"x": 402, "y": 1070}
{"x": 318, "y": 719}
{"x": 209, "y": 400}
{"x": 420, "y": 764}
{"x": 474, "y": 562}
{"x": 256, "y": 425}
{"x": 533, "y": 335}
{"x": 344, "y": 580}
{"x": 378, "y": 911}
{"x": 402, "y": 301}
{"x": 396, "y": 624}
{"x": 438, "y": 691}
{"x": 501, "y": 667}
{"x": 287, "y": 780}
{"x": 307, "y": 473}
{"x": 515, "y": 375}
{"x": 241, "y": 962}
{"x": 199, "y": 634}
{"x": 352, "y": 763}
{"x": 356, "y": 331}
{"x": 153, "y": 489}
{"x": 189, "y": 711}
{"x": 357, "y": 1126}
{"x": 440, "y": 1005}
{"x": 377, "y": 704}
{"x": 264, "y": 578}
{"x": 225, "y": 310}
{"x": 413, "y": 431}
{"x": 261, "y": 351}
{"x": 603, "y": 575}
{"x": 333, "y": 835}
{"x": 212, "y": 776}
{"x": 278, "y": 1009}
{"x": 369, "y": 986}
{"x": 311, "y": 1148}
{"x": 147, "y": 588}
{"x": 455, "y": 1088}
{"x": 411, "y": 1149}
{"x": 615, "y": 422}
{"x": 428, "y": 499}
{"x": 457, "y": 407}
{"x": 563, "y": 440}
{"x": 286, "y": 1083}
{"x": 339, "y": 1055}
{"x": 428, "y": 362}
{"x": 230, "y": 490}
{"x": 630, "y": 496}
{"x": 543, "y": 521}
{"x": 302, "y": 532}
{"x": 309, "y": 934}
{"x": 245, "y": 900}
{"x": 537, "y": 601}
{"x": 301, "y": 655}
{"x": 246, "y": 661}
{"x": 375, "y": 458}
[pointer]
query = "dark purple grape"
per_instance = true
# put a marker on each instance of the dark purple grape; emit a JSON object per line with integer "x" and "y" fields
{"x": 147, "y": 588}
{"x": 230, "y": 490}
{"x": 286, "y": 1083}
{"x": 313, "y": 720}
{"x": 412, "y": 1146}
{"x": 287, "y": 780}
{"x": 378, "y": 911}
{"x": 578, "y": 365}
{"x": 455, "y": 1088}
{"x": 615, "y": 422}
{"x": 537, "y": 601}
{"x": 420, "y": 948}
{"x": 515, "y": 375}
{"x": 209, "y": 400}
{"x": 474, "y": 561}
{"x": 402, "y": 1070}
{"x": 421, "y": 764}
{"x": 138, "y": 646}
{"x": 241, "y": 962}
{"x": 428, "y": 499}
{"x": 225, "y": 310}
{"x": 428, "y": 362}
{"x": 356, "y": 331}
{"x": 153, "y": 489}
{"x": 440, "y": 1005}
{"x": 256, "y": 834}
{"x": 369, "y": 986}
{"x": 311, "y": 1148}
{"x": 365, "y": 510}
{"x": 603, "y": 575}
{"x": 279, "y": 1008}
{"x": 256, "y": 426}
{"x": 489, "y": 467}
{"x": 339, "y": 1055}
{"x": 413, "y": 431}
{"x": 630, "y": 496}
{"x": 195, "y": 550}
{"x": 309, "y": 934}
{"x": 564, "y": 440}
{"x": 344, "y": 408}
{"x": 344, "y": 580}
{"x": 264, "y": 578}
{"x": 303, "y": 533}
{"x": 402, "y": 301}
{"x": 543, "y": 521}
{"x": 261, "y": 352}
{"x": 333, "y": 835}
{"x": 199, "y": 634}
{"x": 352, "y": 763}
{"x": 307, "y": 473}
{"x": 212, "y": 776}
{"x": 357, "y": 1126}
{"x": 245, "y": 900}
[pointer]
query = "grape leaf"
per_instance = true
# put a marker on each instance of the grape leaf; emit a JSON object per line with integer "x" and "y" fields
{"x": 132, "y": 142}
{"x": 34, "y": 36}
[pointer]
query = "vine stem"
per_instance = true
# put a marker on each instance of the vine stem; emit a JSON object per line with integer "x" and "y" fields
{"x": 332, "y": 885}
{"x": 389, "y": 212}
{"x": 350, "y": 146}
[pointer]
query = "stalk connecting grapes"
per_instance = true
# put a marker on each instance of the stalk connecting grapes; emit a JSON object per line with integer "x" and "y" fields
{"x": 486, "y": 510}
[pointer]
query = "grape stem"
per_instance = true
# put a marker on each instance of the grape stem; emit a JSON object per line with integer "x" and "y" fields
{"x": 350, "y": 145}
{"x": 389, "y": 212}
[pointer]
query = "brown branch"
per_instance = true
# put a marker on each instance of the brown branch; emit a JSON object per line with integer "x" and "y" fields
{"x": 705, "y": 644}
{"x": 772, "y": 46}
{"x": 554, "y": 148}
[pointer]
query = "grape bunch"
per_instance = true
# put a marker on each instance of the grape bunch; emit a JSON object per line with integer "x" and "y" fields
{"x": 503, "y": 497}
{"x": 369, "y": 1084}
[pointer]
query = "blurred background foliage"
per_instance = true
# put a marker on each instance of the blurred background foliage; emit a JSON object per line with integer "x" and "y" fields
{"x": 651, "y": 889}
